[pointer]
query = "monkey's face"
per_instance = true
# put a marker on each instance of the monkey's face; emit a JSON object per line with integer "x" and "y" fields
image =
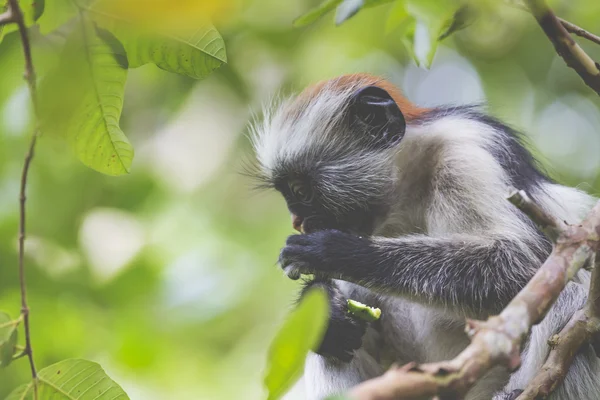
{"x": 332, "y": 157}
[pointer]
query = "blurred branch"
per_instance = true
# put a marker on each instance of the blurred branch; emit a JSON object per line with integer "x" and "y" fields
{"x": 569, "y": 26}
{"x": 566, "y": 47}
{"x": 15, "y": 10}
{"x": 498, "y": 341}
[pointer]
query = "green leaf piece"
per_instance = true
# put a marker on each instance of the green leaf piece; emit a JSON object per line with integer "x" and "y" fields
{"x": 301, "y": 332}
{"x": 91, "y": 80}
{"x": 8, "y": 338}
{"x": 195, "y": 54}
{"x": 363, "y": 311}
{"x": 55, "y": 14}
{"x": 347, "y": 10}
{"x": 316, "y": 13}
{"x": 73, "y": 379}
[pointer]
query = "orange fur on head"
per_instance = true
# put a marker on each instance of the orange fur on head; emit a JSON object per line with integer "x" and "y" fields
{"x": 410, "y": 110}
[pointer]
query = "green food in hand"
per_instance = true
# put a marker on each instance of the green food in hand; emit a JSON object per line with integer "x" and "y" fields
{"x": 363, "y": 311}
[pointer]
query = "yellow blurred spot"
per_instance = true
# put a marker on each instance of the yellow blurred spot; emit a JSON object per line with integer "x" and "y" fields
{"x": 169, "y": 13}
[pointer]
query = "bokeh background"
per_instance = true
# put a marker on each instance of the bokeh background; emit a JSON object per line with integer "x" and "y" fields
{"x": 168, "y": 276}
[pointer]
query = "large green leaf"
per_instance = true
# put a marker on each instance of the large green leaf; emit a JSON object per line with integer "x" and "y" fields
{"x": 72, "y": 380}
{"x": 195, "y": 53}
{"x": 83, "y": 98}
{"x": 8, "y": 338}
{"x": 300, "y": 333}
{"x": 56, "y": 13}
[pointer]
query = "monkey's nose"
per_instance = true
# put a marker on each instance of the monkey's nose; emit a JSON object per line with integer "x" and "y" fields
{"x": 297, "y": 222}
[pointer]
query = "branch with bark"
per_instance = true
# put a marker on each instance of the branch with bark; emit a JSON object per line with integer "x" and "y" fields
{"x": 575, "y": 57}
{"x": 498, "y": 341}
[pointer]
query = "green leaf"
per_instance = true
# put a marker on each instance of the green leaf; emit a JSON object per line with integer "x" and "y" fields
{"x": 301, "y": 332}
{"x": 195, "y": 54}
{"x": 72, "y": 380}
{"x": 431, "y": 16}
{"x": 56, "y": 13}
{"x": 347, "y": 10}
{"x": 90, "y": 83}
{"x": 316, "y": 13}
{"x": 462, "y": 18}
{"x": 8, "y": 338}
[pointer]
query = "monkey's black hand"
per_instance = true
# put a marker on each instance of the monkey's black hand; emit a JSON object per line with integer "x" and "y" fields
{"x": 329, "y": 252}
{"x": 344, "y": 331}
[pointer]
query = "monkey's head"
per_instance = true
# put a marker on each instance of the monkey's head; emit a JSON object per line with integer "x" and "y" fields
{"x": 330, "y": 152}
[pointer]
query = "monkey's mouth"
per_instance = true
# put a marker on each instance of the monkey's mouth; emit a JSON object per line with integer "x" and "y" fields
{"x": 358, "y": 227}
{"x": 297, "y": 223}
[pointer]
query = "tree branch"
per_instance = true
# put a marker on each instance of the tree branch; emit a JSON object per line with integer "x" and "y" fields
{"x": 552, "y": 227}
{"x": 569, "y": 26}
{"x": 498, "y": 341}
{"x": 15, "y": 10}
{"x": 566, "y": 47}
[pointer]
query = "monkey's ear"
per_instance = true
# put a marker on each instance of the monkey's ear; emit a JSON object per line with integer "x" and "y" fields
{"x": 375, "y": 110}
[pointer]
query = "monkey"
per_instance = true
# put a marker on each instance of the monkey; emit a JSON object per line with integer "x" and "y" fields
{"x": 404, "y": 208}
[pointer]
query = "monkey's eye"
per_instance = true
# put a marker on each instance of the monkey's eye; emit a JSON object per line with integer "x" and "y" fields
{"x": 301, "y": 191}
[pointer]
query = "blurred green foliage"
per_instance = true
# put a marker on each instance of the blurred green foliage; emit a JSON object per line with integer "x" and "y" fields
{"x": 167, "y": 276}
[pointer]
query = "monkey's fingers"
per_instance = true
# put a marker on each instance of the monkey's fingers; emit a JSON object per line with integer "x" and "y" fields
{"x": 292, "y": 272}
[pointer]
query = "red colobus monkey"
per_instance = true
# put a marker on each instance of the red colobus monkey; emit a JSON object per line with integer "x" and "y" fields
{"x": 404, "y": 208}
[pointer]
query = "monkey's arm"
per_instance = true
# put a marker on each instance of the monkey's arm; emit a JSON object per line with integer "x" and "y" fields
{"x": 467, "y": 273}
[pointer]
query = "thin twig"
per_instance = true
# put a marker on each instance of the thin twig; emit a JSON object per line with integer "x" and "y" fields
{"x": 31, "y": 82}
{"x": 573, "y": 55}
{"x": 576, "y": 30}
{"x": 497, "y": 341}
